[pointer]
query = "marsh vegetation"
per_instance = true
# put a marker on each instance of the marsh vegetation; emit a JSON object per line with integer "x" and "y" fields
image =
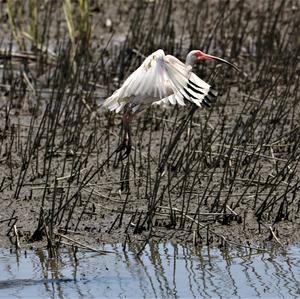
{"x": 227, "y": 176}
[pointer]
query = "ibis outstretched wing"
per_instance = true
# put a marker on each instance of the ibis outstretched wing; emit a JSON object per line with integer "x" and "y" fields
{"x": 146, "y": 84}
{"x": 158, "y": 80}
{"x": 187, "y": 87}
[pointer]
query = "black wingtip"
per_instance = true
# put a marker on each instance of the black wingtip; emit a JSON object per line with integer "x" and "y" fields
{"x": 212, "y": 92}
{"x": 210, "y": 98}
{"x": 190, "y": 86}
{"x": 206, "y": 102}
{"x": 189, "y": 94}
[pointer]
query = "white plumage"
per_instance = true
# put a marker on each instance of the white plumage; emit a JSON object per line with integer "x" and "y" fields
{"x": 161, "y": 79}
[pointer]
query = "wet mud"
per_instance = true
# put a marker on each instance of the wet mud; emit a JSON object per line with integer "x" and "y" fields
{"x": 226, "y": 175}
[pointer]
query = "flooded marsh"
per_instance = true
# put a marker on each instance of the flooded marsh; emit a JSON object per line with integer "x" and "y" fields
{"x": 163, "y": 271}
{"x": 224, "y": 178}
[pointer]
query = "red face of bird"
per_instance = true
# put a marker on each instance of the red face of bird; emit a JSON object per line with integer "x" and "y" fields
{"x": 197, "y": 56}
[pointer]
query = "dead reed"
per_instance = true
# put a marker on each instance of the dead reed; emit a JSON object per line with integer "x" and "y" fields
{"x": 194, "y": 174}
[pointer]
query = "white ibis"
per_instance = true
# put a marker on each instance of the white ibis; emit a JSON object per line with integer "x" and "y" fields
{"x": 161, "y": 79}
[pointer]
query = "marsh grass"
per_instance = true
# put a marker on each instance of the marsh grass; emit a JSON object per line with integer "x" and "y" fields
{"x": 194, "y": 174}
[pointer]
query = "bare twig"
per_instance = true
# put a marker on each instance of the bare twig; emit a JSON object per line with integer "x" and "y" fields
{"x": 83, "y": 245}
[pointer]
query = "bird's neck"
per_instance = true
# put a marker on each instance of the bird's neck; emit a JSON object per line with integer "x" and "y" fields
{"x": 190, "y": 59}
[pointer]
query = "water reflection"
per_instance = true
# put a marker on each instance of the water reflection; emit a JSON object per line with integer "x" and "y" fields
{"x": 163, "y": 270}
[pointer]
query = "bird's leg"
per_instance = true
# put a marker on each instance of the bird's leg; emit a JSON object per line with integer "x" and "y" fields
{"x": 127, "y": 117}
{"x": 126, "y": 143}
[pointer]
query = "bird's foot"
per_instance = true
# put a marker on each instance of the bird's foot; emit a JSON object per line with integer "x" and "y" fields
{"x": 124, "y": 149}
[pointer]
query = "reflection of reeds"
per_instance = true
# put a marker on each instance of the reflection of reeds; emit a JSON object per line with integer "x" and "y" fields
{"x": 189, "y": 169}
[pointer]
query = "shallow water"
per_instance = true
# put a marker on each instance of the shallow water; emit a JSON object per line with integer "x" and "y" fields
{"x": 163, "y": 270}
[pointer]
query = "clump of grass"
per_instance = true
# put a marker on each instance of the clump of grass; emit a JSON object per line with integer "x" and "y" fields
{"x": 25, "y": 22}
{"x": 16, "y": 17}
{"x": 78, "y": 21}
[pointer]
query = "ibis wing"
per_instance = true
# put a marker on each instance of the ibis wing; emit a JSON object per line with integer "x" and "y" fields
{"x": 186, "y": 84}
{"x": 160, "y": 79}
{"x": 146, "y": 84}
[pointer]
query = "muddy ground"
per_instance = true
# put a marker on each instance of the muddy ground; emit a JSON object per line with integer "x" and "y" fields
{"x": 227, "y": 175}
